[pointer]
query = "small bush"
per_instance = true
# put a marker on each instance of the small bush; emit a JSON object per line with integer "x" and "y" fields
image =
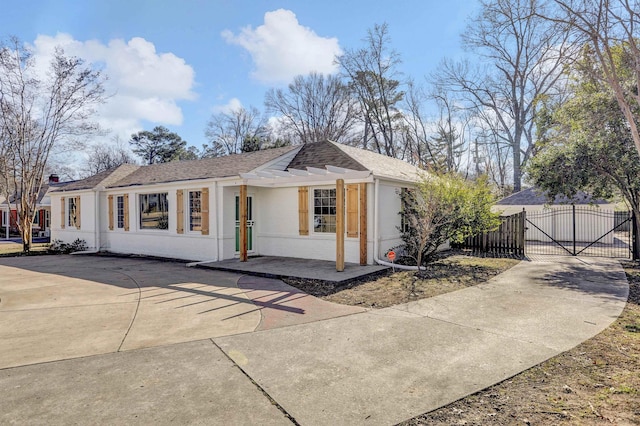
{"x": 60, "y": 247}
{"x": 444, "y": 208}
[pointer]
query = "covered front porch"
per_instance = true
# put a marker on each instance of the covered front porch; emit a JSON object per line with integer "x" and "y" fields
{"x": 307, "y": 214}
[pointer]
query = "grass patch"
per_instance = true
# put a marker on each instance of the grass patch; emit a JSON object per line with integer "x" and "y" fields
{"x": 15, "y": 249}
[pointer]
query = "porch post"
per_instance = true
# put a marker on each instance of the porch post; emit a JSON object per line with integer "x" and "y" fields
{"x": 243, "y": 223}
{"x": 340, "y": 225}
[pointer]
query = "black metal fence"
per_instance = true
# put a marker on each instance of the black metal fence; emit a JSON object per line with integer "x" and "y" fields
{"x": 579, "y": 231}
{"x": 559, "y": 230}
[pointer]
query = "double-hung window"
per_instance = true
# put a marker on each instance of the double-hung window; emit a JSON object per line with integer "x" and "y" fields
{"x": 324, "y": 210}
{"x": 120, "y": 211}
{"x": 195, "y": 211}
{"x": 73, "y": 212}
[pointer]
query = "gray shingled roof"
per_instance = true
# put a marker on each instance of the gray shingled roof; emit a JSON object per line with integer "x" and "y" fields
{"x": 319, "y": 154}
{"x": 218, "y": 167}
{"x": 382, "y": 165}
{"x": 329, "y": 153}
{"x": 535, "y": 197}
{"x": 105, "y": 179}
{"x": 129, "y": 174}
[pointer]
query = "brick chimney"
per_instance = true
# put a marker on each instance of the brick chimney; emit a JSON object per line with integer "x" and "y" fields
{"x": 54, "y": 178}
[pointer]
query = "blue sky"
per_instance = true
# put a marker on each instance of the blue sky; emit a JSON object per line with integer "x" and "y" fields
{"x": 174, "y": 63}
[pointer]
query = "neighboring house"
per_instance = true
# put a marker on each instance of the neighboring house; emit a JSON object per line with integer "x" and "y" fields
{"x": 42, "y": 219}
{"x": 556, "y": 218}
{"x": 282, "y": 200}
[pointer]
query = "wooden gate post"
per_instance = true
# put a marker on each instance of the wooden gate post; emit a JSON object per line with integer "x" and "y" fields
{"x": 340, "y": 225}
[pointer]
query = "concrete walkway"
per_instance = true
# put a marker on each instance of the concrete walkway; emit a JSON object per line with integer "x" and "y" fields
{"x": 375, "y": 367}
{"x": 291, "y": 267}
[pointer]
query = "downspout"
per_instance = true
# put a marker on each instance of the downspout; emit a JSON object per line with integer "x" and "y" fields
{"x": 376, "y": 243}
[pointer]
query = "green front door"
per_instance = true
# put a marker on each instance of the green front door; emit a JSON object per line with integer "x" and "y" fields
{"x": 250, "y": 223}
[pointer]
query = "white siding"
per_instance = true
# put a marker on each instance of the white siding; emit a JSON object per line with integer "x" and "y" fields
{"x": 160, "y": 242}
{"x": 276, "y": 224}
{"x": 277, "y": 228}
{"x": 87, "y": 219}
{"x": 389, "y": 219}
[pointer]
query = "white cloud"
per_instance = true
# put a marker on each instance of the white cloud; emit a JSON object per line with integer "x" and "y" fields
{"x": 281, "y": 48}
{"x": 142, "y": 84}
{"x": 234, "y": 104}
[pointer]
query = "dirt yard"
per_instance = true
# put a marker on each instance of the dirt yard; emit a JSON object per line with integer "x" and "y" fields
{"x": 597, "y": 382}
{"x": 448, "y": 274}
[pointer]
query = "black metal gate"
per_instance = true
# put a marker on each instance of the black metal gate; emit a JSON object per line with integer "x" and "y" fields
{"x": 579, "y": 231}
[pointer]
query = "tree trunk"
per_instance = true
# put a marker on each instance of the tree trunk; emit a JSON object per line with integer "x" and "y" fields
{"x": 517, "y": 170}
{"x": 25, "y": 232}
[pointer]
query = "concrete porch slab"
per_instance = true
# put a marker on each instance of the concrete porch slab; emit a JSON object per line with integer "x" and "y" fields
{"x": 290, "y": 267}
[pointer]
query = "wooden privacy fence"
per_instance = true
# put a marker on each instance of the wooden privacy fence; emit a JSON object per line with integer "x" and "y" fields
{"x": 507, "y": 240}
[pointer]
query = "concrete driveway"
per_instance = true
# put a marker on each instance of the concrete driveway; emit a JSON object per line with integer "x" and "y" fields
{"x": 376, "y": 367}
{"x": 59, "y": 307}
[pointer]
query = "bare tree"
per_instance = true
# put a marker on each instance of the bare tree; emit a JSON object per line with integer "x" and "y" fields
{"x": 416, "y": 130}
{"x": 374, "y": 79}
{"x": 448, "y": 140}
{"x": 607, "y": 26}
{"x": 523, "y": 58}
{"x": 36, "y": 113}
{"x": 492, "y": 152}
{"x": 104, "y": 157}
{"x": 228, "y": 131}
{"x": 315, "y": 108}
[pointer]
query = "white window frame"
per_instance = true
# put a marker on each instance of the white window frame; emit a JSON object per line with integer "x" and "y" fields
{"x": 116, "y": 212}
{"x": 72, "y": 221}
{"x": 189, "y": 216}
{"x": 319, "y": 211}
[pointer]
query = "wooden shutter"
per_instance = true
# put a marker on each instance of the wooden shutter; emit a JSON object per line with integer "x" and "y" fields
{"x": 204, "y": 203}
{"x": 352, "y": 211}
{"x": 303, "y": 210}
{"x": 62, "y": 216}
{"x": 110, "y": 201}
{"x": 126, "y": 212}
{"x": 78, "y": 214}
{"x": 180, "y": 210}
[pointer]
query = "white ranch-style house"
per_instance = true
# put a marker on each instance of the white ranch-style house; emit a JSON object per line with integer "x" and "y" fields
{"x": 276, "y": 202}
